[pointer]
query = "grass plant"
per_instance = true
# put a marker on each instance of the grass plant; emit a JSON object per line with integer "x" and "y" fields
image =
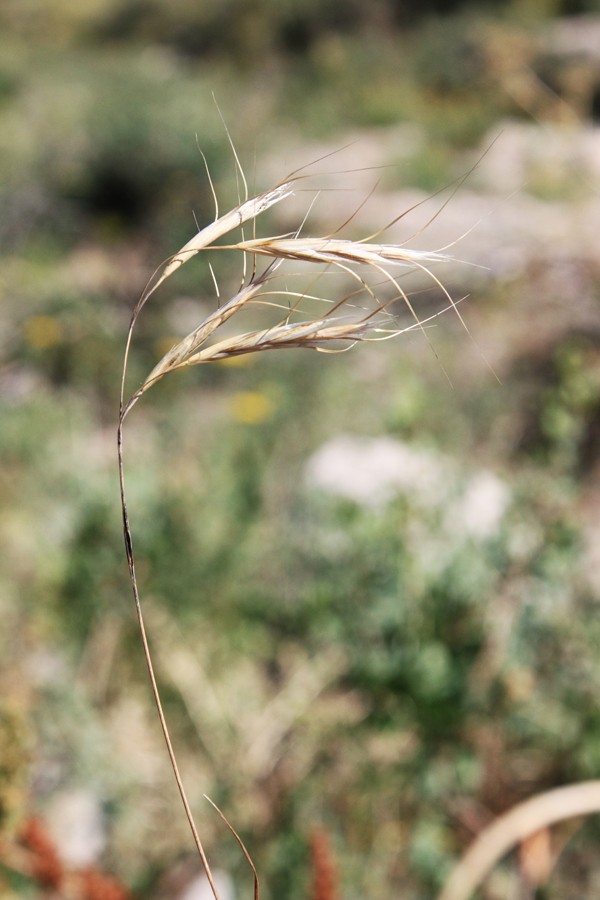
{"x": 318, "y": 333}
{"x": 346, "y": 322}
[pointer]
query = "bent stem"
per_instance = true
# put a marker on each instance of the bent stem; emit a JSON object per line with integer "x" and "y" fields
{"x": 522, "y": 821}
{"x": 148, "y": 657}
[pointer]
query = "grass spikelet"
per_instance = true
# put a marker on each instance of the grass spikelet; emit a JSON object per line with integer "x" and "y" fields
{"x": 327, "y": 251}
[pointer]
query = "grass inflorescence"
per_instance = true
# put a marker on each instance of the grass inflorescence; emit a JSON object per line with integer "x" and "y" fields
{"x": 345, "y": 322}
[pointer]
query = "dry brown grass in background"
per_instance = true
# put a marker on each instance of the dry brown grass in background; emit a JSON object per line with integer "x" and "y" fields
{"x": 524, "y": 822}
{"x": 345, "y": 322}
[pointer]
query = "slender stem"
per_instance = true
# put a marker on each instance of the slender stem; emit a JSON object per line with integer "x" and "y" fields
{"x": 161, "y": 715}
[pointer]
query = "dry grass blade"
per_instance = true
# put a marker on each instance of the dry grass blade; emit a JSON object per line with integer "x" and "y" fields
{"x": 241, "y": 843}
{"x": 513, "y": 827}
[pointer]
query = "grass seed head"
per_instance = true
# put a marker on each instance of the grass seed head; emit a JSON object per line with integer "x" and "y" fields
{"x": 325, "y": 333}
{"x": 356, "y": 259}
{"x": 327, "y": 251}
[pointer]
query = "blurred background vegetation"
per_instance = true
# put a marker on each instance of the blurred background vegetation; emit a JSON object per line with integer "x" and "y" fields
{"x": 381, "y": 669}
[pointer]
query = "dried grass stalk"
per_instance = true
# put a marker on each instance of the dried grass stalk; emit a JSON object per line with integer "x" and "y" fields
{"x": 515, "y": 826}
{"x": 324, "y": 333}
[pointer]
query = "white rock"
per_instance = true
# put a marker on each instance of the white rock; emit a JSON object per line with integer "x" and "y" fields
{"x": 479, "y": 511}
{"x": 199, "y": 888}
{"x": 577, "y": 35}
{"x": 77, "y": 826}
{"x": 370, "y": 471}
